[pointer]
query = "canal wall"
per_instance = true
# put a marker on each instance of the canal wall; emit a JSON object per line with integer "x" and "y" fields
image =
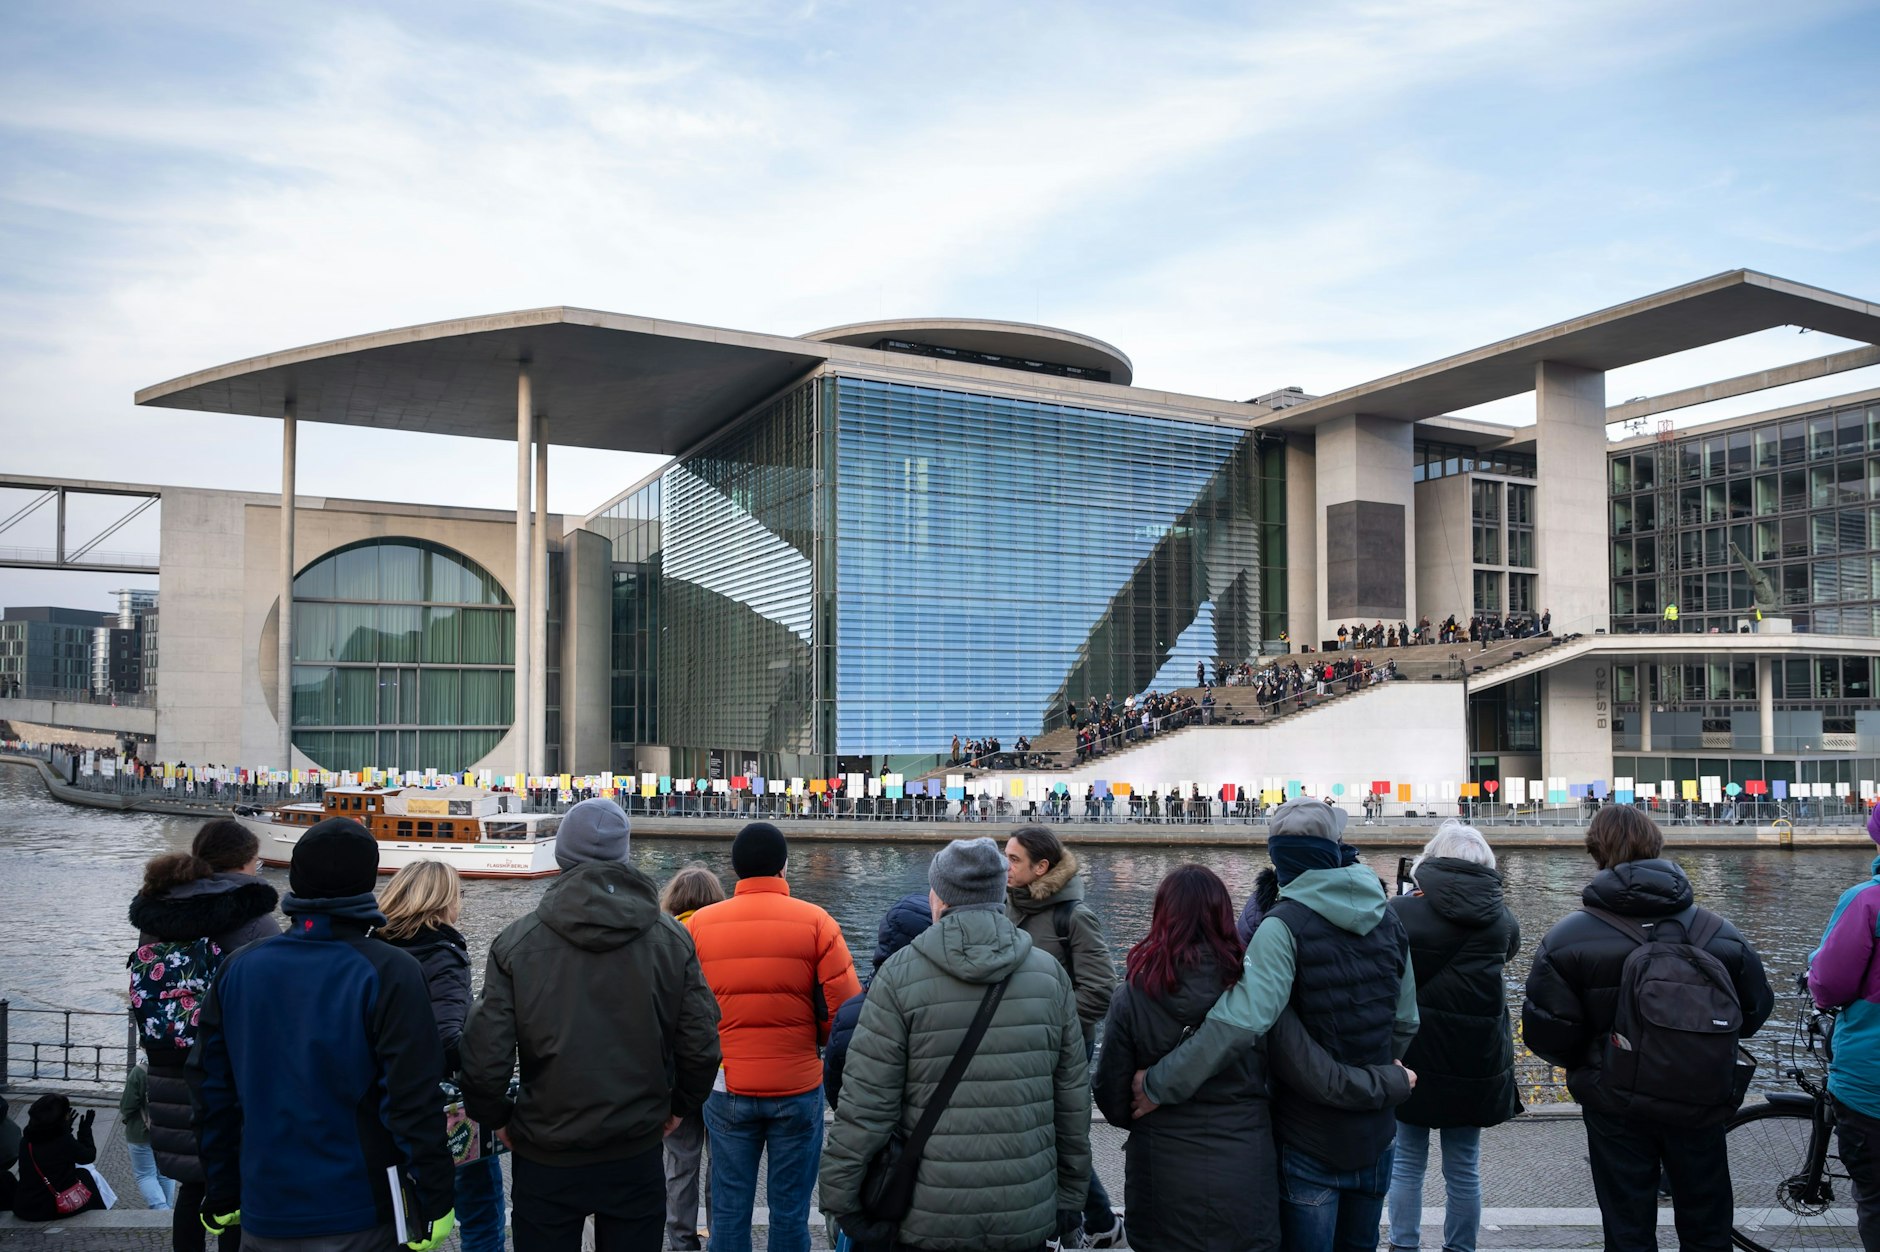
{"x": 1391, "y": 833}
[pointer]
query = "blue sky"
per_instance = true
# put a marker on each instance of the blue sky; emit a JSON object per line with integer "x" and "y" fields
{"x": 1240, "y": 196}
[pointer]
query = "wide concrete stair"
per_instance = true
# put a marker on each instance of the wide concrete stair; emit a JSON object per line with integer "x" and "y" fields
{"x": 1237, "y": 706}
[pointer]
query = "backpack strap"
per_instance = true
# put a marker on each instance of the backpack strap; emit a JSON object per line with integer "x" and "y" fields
{"x": 923, "y": 1130}
{"x": 1624, "y": 925}
{"x": 1700, "y": 925}
{"x": 1061, "y": 922}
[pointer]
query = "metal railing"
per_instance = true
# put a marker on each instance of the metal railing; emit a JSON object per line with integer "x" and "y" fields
{"x": 65, "y": 1045}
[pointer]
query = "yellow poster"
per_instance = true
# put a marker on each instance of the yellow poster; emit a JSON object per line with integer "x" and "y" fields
{"x": 1689, "y": 788}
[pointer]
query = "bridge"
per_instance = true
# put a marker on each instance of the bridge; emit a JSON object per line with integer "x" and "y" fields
{"x": 64, "y": 524}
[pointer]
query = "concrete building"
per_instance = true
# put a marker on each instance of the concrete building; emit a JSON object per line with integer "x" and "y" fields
{"x": 874, "y": 537}
{"x": 44, "y": 649}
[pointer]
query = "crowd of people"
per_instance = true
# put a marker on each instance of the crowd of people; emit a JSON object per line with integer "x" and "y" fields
{"x": 1282, "y": 1069}
{"x": 1104, "y": 725}
{"x": 1479, "y": 628}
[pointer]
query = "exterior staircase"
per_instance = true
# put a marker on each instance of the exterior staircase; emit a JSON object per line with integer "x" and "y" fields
{"x": 1237, "y": 706}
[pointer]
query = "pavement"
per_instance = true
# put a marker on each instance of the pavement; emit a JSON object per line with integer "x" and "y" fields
{"x": 1534, "y": 1178}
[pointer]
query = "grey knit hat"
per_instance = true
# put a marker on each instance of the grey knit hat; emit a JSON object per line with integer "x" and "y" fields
{"x": 593, "y": 830}
{"x": 968, "y": 871}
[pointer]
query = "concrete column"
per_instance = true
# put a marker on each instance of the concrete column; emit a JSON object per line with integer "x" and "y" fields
{"x": 1302, "y": 542}
{"x": 284, "y": 656}
{"x": 1570, "y": 500}
{"x": 523, "y": 592}
{"x": 538, "y": 607}
{"x": 1576, "y": 722}
{"x": 1366, "y": 512}
{"x": 586, "y": 652}
{"x": 1644, "y": 724}
{"x": 1766, "y": 703}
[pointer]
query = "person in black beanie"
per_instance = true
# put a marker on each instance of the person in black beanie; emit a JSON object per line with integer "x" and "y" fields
{"x": 323, "y": 1035}
{"x": 759, "y": 851}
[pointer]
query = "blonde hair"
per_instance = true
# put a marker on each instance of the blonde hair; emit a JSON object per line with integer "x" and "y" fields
{"x": 419, "y": 895}
{"x": 693, "y": 887}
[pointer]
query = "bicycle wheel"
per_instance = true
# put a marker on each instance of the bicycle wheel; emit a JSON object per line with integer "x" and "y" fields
{"x": 1778, "y": 1207}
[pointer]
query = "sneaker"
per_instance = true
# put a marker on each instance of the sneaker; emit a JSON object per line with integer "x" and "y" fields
{"x": 1114, "y": 1237}
{"x": 1055, "y": 1244}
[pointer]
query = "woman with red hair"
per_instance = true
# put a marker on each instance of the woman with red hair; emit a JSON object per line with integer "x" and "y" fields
{"x": 1203, "y": 1174}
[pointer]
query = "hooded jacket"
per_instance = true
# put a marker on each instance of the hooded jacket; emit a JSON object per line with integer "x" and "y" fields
{"x": 317, "y": 1047}
{"x": 905, "y": 918}
{"x": 232, "y": 910}
{"x": 598, "y": 996}
{"x": 780, "y": 968}
{"x": 1573, "y": 987}
{"x": 1013, "y": 1146}
{"x": 1035, "y": 910}
{"x": 1461, "y": 939}
{"x": 1204, "y": 1174}
{"x": 1350, "y": 899}
{"x": 56, "y": 1152}
{"x": 1842, "y": 975}
{"x": 444, "y": 957}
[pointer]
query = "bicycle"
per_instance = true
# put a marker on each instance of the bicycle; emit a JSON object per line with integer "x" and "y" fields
{"x": 1785, "y": 1173}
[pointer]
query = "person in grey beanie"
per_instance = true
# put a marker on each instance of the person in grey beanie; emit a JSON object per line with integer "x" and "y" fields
{"x": 983, "y": 1181}
{"x": 598, "y": 994}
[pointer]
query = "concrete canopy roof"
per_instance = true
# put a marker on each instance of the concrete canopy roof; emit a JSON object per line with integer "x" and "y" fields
{"x": 1711, "y": 310}
{"x": 604, "y": 380}
{"x": 1012, "y": 339}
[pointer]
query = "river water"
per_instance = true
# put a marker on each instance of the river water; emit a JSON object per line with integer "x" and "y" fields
{"x": 67, "y": 875}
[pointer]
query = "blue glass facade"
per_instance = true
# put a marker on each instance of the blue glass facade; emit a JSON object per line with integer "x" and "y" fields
{"x": 864, "y": 569}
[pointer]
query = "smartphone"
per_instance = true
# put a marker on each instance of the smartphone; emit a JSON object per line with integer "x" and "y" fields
{"x": 1406, "y": 885}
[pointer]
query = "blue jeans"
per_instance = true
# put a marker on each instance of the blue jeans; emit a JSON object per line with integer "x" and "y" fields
{"x": 745, "y": 1128}
{"x": 1462, "y": 1186}
{"x": 480, "y": 1204}
{"x": 158, "y": 1192}
{"x": 1329, "y": 1210}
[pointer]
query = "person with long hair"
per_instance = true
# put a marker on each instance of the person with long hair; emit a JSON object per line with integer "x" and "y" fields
{"x": 1204, "y": 1173}
{"x": 422, "y": 905}
{"x": 213, "y": 891}
{"x": 689, "y": 890}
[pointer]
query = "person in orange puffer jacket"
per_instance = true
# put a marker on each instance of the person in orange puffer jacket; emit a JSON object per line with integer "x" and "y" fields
{"x": 780, "y": 968}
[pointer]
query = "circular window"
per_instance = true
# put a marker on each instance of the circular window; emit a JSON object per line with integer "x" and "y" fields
{"x": 404, "y": 658}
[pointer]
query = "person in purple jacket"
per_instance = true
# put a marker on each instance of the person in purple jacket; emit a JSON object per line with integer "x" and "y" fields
{"x": 1842, "y": 974}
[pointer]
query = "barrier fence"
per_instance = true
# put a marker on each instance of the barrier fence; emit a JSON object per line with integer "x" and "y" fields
{"x": 65, "y": 1045}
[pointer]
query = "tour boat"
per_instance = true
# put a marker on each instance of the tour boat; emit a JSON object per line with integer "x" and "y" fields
{"x": 467, "y": 828}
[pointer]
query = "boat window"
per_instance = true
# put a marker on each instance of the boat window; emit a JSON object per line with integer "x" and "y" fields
{"x": 546, "y": 827}
{"x": 404, "y": 830}
{"x": 425, "y": 830}
{"x": 505, "y": 832}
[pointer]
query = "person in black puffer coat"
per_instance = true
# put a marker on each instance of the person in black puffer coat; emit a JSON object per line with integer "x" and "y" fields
{"x": 53, "y": 1147}
{"x": 1204, "y": 1173}
{"x": 1461, "y": 938}
{"x": 1572, "y": 1000}
{"x": 212, "y": 892}
{"x": 905, "y": 918}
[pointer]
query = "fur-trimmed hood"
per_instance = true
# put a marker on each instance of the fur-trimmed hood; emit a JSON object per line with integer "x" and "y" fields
{"x": 1265, "y": 896}
{"x": 1062, "y": 885}
{"x": 207, "y": 908}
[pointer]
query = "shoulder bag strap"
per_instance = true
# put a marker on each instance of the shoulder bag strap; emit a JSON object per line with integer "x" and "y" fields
{"x": 943, "y": 1094}
{"x": 1061, "y": 922}
{"x": 1624, "y": 925}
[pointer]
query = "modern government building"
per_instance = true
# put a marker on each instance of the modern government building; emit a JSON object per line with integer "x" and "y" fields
{"x": 872, "y": 538}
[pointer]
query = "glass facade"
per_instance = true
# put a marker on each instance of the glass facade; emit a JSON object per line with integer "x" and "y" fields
{"x": 1799, "y": 497}
{"x": 801, "y": 578}
{"x": 404, "y": 656}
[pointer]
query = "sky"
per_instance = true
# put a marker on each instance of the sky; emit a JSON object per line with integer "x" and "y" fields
{"x": 1239, "y": 196}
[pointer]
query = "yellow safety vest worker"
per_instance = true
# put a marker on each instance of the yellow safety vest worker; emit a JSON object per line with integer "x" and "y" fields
{"x": 1671, "y": 612}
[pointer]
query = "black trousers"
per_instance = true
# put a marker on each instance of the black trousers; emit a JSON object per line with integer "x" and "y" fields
{"x": 186, "y": 1232}
{"x": 1859, "y": 1137}
{"x": 626, "y": 1198}
{"x": 1626, "y": 1158}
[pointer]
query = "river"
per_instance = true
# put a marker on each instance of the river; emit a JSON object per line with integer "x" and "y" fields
{"x": 67, "y": 874}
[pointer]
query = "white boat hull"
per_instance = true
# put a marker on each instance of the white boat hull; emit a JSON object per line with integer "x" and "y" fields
{"x": 519, "y": 859}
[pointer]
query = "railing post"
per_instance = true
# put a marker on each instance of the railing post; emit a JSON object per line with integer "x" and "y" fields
{"x": 5, "y": 1051}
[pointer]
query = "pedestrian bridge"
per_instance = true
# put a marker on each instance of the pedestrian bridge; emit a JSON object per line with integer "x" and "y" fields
{"x": 53, "y": 721}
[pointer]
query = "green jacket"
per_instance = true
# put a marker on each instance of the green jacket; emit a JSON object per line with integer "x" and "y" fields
{"x": 132, "y": 1106}
{"x": 1013, "y": 1146}
{"x": 1351, "y": 898}
{"x": 1034, "y": 909}
{"x": 599, "y": 996}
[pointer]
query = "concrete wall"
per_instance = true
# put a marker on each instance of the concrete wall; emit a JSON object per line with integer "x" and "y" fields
{"x": 1576, "y": 720}
{"x": 587, "y": 645}
{"x": 1444, "y": 556}
{"x": 1365, "y": 522}
{"x": 1570, "y": 501}
{"x": 220, "y": 581}
{"x": 1404, "y": 732}
{"x": 71, "y": 721}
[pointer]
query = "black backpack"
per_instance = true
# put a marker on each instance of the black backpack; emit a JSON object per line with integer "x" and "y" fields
{"x": 1672, "y": 1054}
